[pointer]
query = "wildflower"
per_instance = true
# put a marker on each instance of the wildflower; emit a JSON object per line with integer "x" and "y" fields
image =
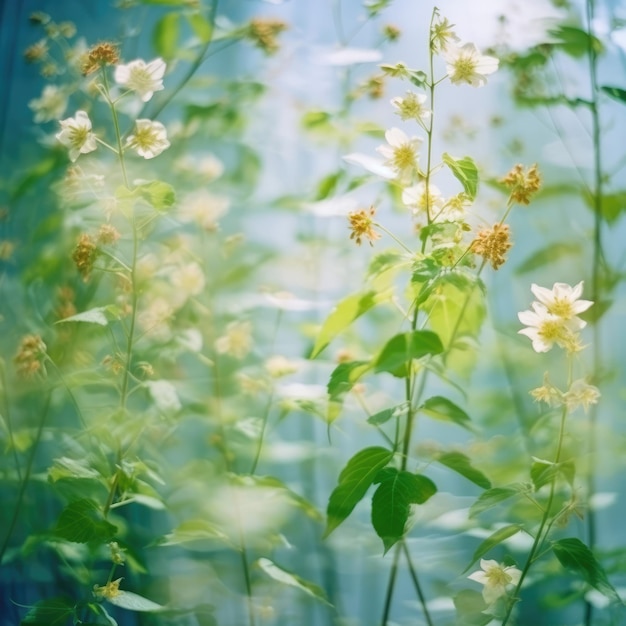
{"x": 67, "y": 29}
{"x": 362, "y": 225}
{"x": 189, "y": 280}
{"x": 582, "y": 394}
{"x": 117, "y": 553}
{"x": 108, "y": 591}
{"x": 411, "y": 107}
{"x": 98, "y": 56}
{"x": 263, "y": 33}
{"x": 416, "y": 197}
{"x": 237, "y": 341}
{"x": 547, "y": 393}
{"x": 492, "y": 244}
{"x": 107, "y": 235}
{"x": 36, "y": 51}
{"x": 144, "y": 78}
{"x": 204, "y": 209}
{"x": 495, "y": 579}
{"x": 50, "y": 105}
{"x": 76, "y": 135}
{"x": 7, "y": 248}
{"x": 391, "y": 32}
{"x": 465, "y": 64}
{"x": 250, "y": 385}
{"x": 39, "y": 17}
{"x": 85, "y": 254}
{"x": 400, "y": 151}
{"x": 375, "y": 86}
{"x": 563, "y": 300}
{"x": 545, "y": 330}
{"x": 523, "y": 184}
{"x": 155, "y": 319}
{"x": 149, "y": 140}
{"x": 30, "y": 355}
{"x": 278, "y": 366}
{"x": 441, "y": 35}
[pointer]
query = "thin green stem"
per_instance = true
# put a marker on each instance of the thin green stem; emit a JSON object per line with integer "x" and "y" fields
{"x": 388, "y": 232}
{"x": 116, "y": 126}
{"x": 9, "y": 421}
{"x": 416, "y": 583}
{"x": 391, "y": 584}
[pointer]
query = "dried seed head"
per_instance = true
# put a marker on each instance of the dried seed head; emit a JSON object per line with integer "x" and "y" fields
{"x": 362, "y": 225}
{"x": 263, "y": 32}
{"x": 107, "y": 235}
{"x": 30, "y": 355}
{"x": 85, "y": 254}
{"x": 492, "y": 244}
{"x": 523, "y": 184}
{"x": 101, "y": 54}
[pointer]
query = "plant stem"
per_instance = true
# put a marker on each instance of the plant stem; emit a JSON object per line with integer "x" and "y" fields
{"x": 391, "y": 584}
{"x": 417, "y": 585}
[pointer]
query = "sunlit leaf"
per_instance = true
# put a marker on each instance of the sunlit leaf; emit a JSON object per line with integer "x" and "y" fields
{"x": 502, "y": 534}
{"x": 465, "y": 171}
{"x": 441, "y": 408}
{"x": 617, "y": 93}
{"x": 493, "y": 497}
{"x": 612, "y": 205}
{"x": 354, "y": 481}
{"x": 52, "y": 612}
{"x": 193, "y": 530}
{"x": 200, "y": 26}
{"x": 392, "y": 500}
{"x": 342, "y": 379}
{"x": 470, "y": 608}
{"x": 65, "y": 467}
{"x": 348, "y": 310}
{"x": 461, "y": 464}
{"x": 400, "y": 350}
{"x": 134, "y": 602}
{"x": 547, "y": 256}
{"x": 161, "y": 196}
{"x": 82, "y": 521}
{"x": 575, "y": 41}
{"x": 97, "y": 315}
{"x": 543, "y": 472}
{"x": 576, "y": 557}
{"x": 384, "y": 416}
{"x": 287, "y": 578}
{"x": 328, "y": 185}
{"x": 166, "y": 33}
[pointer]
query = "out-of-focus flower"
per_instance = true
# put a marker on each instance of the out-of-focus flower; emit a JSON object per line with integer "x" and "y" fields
{"x": 149, "y": 139}
{"x": 98, "y": 56}
{"x": 107, "y": 235}
{"x": 421, "y": 202}
{"x": 278, "y": 366}
{"x": 581, "y": 393}
{"x": 391, "y": 32}
{"x": 85, "y": 255}
{"x": 495, "y": 578}
{"x": 523, "y": 184}
{"x": 263, "y": 33}
{"x": 164, "y": 395}
{"x": 362, "y": 225}
{"x": 203, "y": 209}
{"x": 237, "y": 341}
{"x": 76, "y": 135}
{"x": 36, "y": 51}
{"x": 188, "y": 280}
{"x": 493, "y": 243}
{"x": 563, "y": 300}
{"x": 50, "y": 105}
{"x": 108, "y": 591}
{"x": 154, "y": 320}
{"x": 141, "y": 77}
{"x": 208, "y": 166}
{"x": 442, "y": 35}
{"x": 465, "y": 64}
{"x": 400, "y": 152}
{"x": 411, "y": 107}
{"x": 30, "y": 356}
{"x": 547, "y": 393}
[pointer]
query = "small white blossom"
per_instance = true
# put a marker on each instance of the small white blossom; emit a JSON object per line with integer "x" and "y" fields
{"x": 465, "y": 64}
{"x": 563, "y": 300}
{"x": 189, "y": 281}
{"x": 582, "y": 394}
{"x": 50, "y": 105}
{"x": 495, "y": 579}
{"x": 237, "y": 341}
{"x": 400, "y": 152}
{"x": 415, "y": 197}
{"x": 411, "y": 107}
{"x": 203, "y": 209}
{"x": 545, "y": 329}
{"x": 144, "y": 78}
{"x": 149, "y": 139}
{"x": 76, "y": 135}
{"x": 164, "y": 395}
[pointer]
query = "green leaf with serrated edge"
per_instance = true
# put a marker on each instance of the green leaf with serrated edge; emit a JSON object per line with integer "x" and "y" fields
{"x": 547, "y": 256}
{"x": 392, "y": 500}
{"x": 134, "y": 602}
{"x": 502, "y": 534}
{"x": 470, "y": 606}
{"x": 542, "y": 472}
{"x": 458, "y": 462}
{"x": 348, "y": 310}
{"x": 400, "y": 350}
{"x": 202, "y": 27}
{"x": 288, "y": 578}
{"x": 576, "y": 557}
{"x": 441, "y": 408}
{"x": 492, "y": 497}
{"x": 465, "y": 171}
{"x": 384, "y": 416}
{"x": 97, "y": 315}
{"x": 159, "y": 195}
{"x": 354, "y": 481}
{"x": 165, "y": 35}
{"x": 617, "y": 93}
{"x": 386, "y": 261}
{"x": 52, "y": 612}
{"x": 81, "y": 521}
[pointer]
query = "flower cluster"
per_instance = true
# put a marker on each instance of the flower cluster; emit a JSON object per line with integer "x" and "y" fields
{"x": 523, "y": 184}
{"x": 493, "y": 243}
{"x": 496, "y": 579}
{"x": 580, "y": 393}
{"x": 30, "y": 355}
{"x": 554, "y": 317}
{"x": 362, "y": 225}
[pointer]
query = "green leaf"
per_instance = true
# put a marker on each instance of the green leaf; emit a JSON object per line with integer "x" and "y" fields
{"x": 441, "y": 408}
{"x": 193, "y": 531}
{"x": 493, "y": 540}
{"x": 342, "y": 379}
{"x": 490, "y": 498}
{"x": 617, "y": 93}
{"x": 354, "y": 481}
{"x": 392, "y": 500}
{"x": 287, "y": 578}
{"x": 134, "y": 602}
{"x": 399, "y": 351}
{"x": 81, "y": 521}
{"x": 165, "y": 35}
{"x": 470, "y": 608}
{"x": 384, "y": 416}
{"x": 575, "y": 41}
{"x": 612, "y": 206}
{"x": 201, "y": 26}
{"x": 458, "y": 462}
{"x": 161, "y": 196}
{"x": 52, "y": 612}
{"x": 348, "y": 310}
{"x": 576, "y": 557}
{"x": 465, "y": 171}
{"x": 65, "y": 467}
{"x": 543, "y": 472}
{"x": 97, "y": 315}
{"x": 547, "y": 256}
{"x": 328, "y": 185}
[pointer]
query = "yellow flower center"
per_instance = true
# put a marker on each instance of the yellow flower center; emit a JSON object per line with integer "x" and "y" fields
{"x": 464, "y": 68}
{"x": 562, "y": 308}
{"x": 497, "y": 577}
{"x": 553, "y": 331}
{"x": 145, "y": 137}
{"x": 404, "y": 157}
{"x": 78, "y": 136}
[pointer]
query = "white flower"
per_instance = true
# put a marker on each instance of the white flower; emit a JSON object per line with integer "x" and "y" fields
{"x": 415, "y": 197}
{"x": 164, "y": 395}
{"x": 582, "y": 394}
{"x": 237, "y": 341}
{"x": 563, "y": 300}
{"x": 400, "y": 152}
{"x": 76, "y": 135}
{"x": 278, "y": 366}
{"x": 50, "y": 106}
{"x": 149, "y": 140}
{"x": 204, "y": 209}
{"x": 144, "y": 78}
{"x": 189, "y": 281}
{"x": 545, "y": 329}
{"x": 411, "y": 107}
{"x": 465, "y": 64}
{"x": 495, "y": 579}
